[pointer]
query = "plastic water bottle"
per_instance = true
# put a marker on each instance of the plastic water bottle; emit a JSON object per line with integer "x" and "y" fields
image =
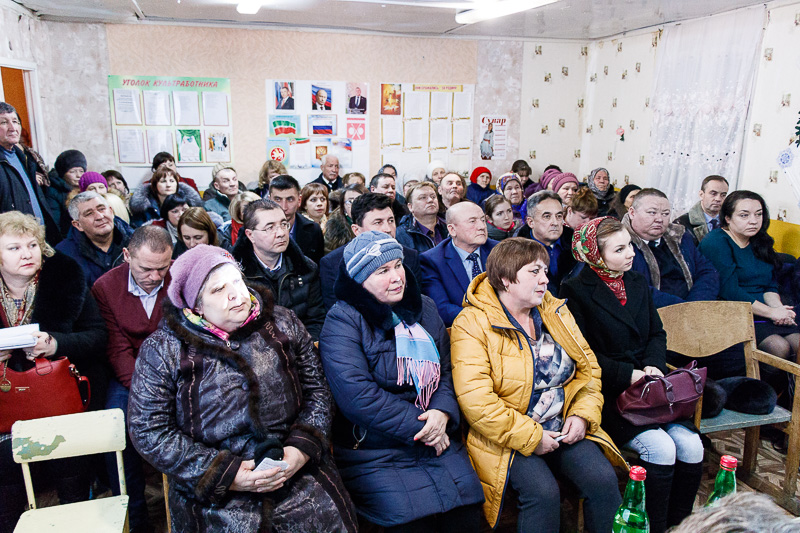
{"x": 631, "y": 516}
{"x": 725, "y": 483}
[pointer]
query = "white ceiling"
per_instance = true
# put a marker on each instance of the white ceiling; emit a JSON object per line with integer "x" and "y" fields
{"x": 565, "y": 19}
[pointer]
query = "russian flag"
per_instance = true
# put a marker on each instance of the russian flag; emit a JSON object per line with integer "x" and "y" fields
{"x": 322, "y": 129}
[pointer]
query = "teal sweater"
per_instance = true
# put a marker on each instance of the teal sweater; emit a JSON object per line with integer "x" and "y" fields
{"x": 742, "y": 276}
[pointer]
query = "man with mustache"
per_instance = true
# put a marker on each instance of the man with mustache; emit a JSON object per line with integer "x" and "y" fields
{"x": 449, "y": 267}
{"x": 270, "y": 257}
{"x": 704, "y": 215}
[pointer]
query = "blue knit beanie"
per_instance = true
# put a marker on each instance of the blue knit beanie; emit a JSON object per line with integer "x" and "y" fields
{"x": 369, "y": 251}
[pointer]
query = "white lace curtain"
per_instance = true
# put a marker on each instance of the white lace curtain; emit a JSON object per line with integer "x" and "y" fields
{"x": 703, "y": 83}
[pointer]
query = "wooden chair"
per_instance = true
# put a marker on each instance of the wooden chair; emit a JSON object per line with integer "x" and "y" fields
{"x": 65, "y": 436}
{"x": 700, "y": 329}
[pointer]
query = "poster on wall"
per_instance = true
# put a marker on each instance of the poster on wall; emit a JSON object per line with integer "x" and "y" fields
{"x": 494, "y": 137}
{"x": 356, "y": 98}
{"x": 321, "y": 97}
{"x": 180, "y": 115}
{"x": 322, "y": 125}
{"x": 284, "y": 125}
{"x": 391, "y": 99}
{"x": 284, "y": 95}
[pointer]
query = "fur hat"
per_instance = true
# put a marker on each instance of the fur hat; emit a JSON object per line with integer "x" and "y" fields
{"x": 91, "y": 177}
{"x": 433, "y": 165}
{"x": 190, "y": 271}
{"x": 477, "y": 172}
{"x": 367, "y": 252}
{"x": 714, "y": 399}
{"x": 748, "y": 395}
{"x": 68, "y": 160}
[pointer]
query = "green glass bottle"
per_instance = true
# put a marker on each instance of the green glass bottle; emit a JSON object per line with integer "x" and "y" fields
{"x": 725, "y": 483}
{"x": 631, "y": 516}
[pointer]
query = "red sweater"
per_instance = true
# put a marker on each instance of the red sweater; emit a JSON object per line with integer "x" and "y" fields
{"x": 125, "y": 318}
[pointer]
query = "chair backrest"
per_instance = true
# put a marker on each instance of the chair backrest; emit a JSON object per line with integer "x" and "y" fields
{"x": 700, "y": 329}
{"x": 63, "y": 436}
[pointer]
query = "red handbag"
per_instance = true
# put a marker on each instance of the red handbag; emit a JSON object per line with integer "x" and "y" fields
{"x": 660, "y": 400}
{"x": 53, "y": 387}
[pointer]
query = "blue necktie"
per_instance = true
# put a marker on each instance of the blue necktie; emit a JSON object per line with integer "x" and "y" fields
{"x": 714, "y": 223}
{"x": 476, "y": 264}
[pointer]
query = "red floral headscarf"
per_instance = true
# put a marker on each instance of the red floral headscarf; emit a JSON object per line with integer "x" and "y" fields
{"x": 586, "y": 250}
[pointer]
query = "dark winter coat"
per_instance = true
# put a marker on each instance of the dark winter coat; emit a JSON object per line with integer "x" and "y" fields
{"x": 566, "y": 263}
{"x": 219, "y": 204}
{"x": 91, "y": 259}
{"x": 308, "y": 236}
{"x": 391, "y": 478}
{"x": 56, "y": 194}
{"x": 477, "y": 194}
{"x": 199, "y": 406}
{"x": 144, "y": 205}
{"x": 409, "y": 235}
{"x": 624, "y": 338}
{"x": 296, "y": 287}
{"x": 14, "y": 195}
{"x": 65, "y": 309}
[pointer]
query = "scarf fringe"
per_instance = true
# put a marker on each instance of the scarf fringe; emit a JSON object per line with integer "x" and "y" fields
{"x": 427, "y": 378}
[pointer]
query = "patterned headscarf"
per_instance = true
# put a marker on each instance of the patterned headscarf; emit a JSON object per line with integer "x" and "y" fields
{"x": 586, "y": 250}
{"x": 600, "y": 195}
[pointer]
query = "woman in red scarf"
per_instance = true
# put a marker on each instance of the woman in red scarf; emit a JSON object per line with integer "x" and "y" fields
{"x": 615, "y": 312}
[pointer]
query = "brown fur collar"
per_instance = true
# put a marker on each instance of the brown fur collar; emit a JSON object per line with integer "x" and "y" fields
{"x": 672, "y": 237}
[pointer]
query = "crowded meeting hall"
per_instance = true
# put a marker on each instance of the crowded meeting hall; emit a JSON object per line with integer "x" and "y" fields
{"x": 335, "y": 266}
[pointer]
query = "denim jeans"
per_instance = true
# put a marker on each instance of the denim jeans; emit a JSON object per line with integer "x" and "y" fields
{"x": 581, "y": 463}
{"x": 134, "y": 471}
{"x": 663, "y": 446}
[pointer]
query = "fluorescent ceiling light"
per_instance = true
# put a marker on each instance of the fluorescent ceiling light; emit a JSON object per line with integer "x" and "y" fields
{"x": 498, "y": 9}
{"x": 249, "y": 7}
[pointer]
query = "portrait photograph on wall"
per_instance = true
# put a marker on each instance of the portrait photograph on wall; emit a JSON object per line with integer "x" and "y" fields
{"x": 321, "y": 97}
{"x": 284, "y": 95}
{"x": 356, "y": 98}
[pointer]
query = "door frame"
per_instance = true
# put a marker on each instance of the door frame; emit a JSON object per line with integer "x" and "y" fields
{"x": 32, "y": 96}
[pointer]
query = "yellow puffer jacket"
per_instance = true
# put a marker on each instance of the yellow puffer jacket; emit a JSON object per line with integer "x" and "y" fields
{"x": 493, "y": 378}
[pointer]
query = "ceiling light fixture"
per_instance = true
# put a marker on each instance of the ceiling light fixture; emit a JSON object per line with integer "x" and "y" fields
{"x": 498, "y": 9}
{"x": 249, "y": 7}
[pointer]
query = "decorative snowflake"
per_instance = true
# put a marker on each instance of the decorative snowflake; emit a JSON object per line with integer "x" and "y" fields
{"x": 785, "y": 158}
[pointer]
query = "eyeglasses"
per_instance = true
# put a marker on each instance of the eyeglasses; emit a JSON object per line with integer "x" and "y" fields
{"x": 272, "y": 229}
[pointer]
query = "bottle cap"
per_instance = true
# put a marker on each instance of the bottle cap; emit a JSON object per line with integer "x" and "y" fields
{"x": 638, "y": 473}
{"x": 728, "y": 462}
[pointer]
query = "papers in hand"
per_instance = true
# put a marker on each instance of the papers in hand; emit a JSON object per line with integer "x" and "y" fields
{"x": 267, "y": 464}
{"x": 18, "y": 337}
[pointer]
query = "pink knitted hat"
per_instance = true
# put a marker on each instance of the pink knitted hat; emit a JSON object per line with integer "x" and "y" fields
{"x": 190, "y": 271}
{"x": 563, "y": 179}
{"x": 91, "y": 177}
{"x": 548, "y": 176}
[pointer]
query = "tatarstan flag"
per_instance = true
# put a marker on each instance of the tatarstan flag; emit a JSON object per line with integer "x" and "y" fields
{"x": 284, "y": 127}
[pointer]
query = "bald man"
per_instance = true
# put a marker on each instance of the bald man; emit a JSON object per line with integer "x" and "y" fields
{"x": 448, "y": 268}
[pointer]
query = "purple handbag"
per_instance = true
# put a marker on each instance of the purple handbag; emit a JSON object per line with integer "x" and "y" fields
{"x": 660, "y": 400}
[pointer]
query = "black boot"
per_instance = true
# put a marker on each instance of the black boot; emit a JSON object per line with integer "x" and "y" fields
{"x": 12, "y": 505}
{"x": 685, "y": 483}
{"x": 657, "y": 488}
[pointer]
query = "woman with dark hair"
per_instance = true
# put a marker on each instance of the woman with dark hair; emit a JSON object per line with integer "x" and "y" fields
{"x": 582, "y": 209}
{"x": 165, "y": 159}
{"x": 314, "y": 204}
{"x": 743, "y": 254}
{"x": 338, "y": 230}
{"x": 614, "y": 309}
{"x": 522, "y": 169}
{"x": 145, "y": 204}
{"x": 623, "y": 201}
{"x": 117, "y": 181}
{"x": 195, "y": 227}
{"x": 500, "y": 222}
{"x": 599, "y": 182}
{"x": 172, "y": 208}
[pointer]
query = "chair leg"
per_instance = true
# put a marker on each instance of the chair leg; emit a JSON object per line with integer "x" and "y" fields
{"x": 581, "y": 525}
{"x": 166, "y": 501}
{"x": 793, "y": 453}
{"x": 752, "y": 442}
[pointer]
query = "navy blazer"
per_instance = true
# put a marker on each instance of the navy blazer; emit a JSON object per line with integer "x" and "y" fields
{"x": 329, "y": 271}
{"x": 444, "y": 279}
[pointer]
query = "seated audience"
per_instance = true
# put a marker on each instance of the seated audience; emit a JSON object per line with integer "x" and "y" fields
{"x": 229, "y": 231}
{"x": 622, "y": 202}
{"x": 130, "y": 299}
{"x": 600, "y": 184}
{"x": 329, "y": 175}
{"x": 422, "y": 228}
{"x": 314, "y": 204}
{"x": 195, "y": 227}
{"x": 262, "y": 393}
{"x": 270, "y": 169}
{"x": 392, "y": 171}
{"x": 564, "y": 184}
{"x": 435, "y": 171}
{"x": 518, "y": 399}
{"x": 353, "y": 178}
{"x": 97, "y": 237}
{"x": 545, "y": 225}
{"x": 285, "y": 191}
{"x": 370, "y": 212}
{"x": 64, "y": 178}
{"x": 480, "y": 187}
{"x": 40, "y": 286}
{"x": 535, "y": 186}
{"x": 407, "y": 186}
{"x": 451, "y": 191}
{"x": 448, "y": 268}
{"x": 145, "y": 203}
{"x": 116, "y": 181}
{"x": 521, "y": 168}
{"x": 94, "y": 182}
{"x": 614, "y": 309}
{"x": 224, "y": 188}
{"x": 166, "y": 160}
{"x": 386, "y": 184}
{"x": 509, "y": 186}
{"x": 743, "y": 253}
{"x": 171, "y": 210}
{"x": 703, "y": 217}
{"x": 386, "y": 355}
{"x": 582, "y": 209}
{"x": 500, "y": 221}
{"x": 269, "y": 257}
{"x": 338, "y": 230}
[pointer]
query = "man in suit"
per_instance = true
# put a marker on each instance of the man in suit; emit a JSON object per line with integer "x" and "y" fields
{"x": 286, "y": 102}
{"x": 285, "y": 191}
{"x": 545, "y": 225}
{"x": 358, "y": 104}
{"x": 329, "y": 176}
{"x": 369, "y": 212}
{"x": 321, "y": 101}
{"x": 129, "y": 297}
{"x": 704, "y": 215}
{"x": 449, "y": 267}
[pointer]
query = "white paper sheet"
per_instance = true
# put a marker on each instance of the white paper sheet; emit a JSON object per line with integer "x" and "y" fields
{"x": 462, "y": 135}
{"x": 441, "y": 104}
{"x": 415, "y": 135}
{"x": 462, "y": 105}
{"x": 159, "y": 141}
{"x": 18, "y": 337}
{"x": 416, "y": 105}
{"x": 156, "y": 108}
{"x": 439, "y": 135}
{"x": 127, "y": 109}
{"x": 215, "y": 109}
{"x": 300, "y": 153}
{"x": 130, "y": 146}
{"x": 186, "y": 106}
{"x": 391, "y": 132}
